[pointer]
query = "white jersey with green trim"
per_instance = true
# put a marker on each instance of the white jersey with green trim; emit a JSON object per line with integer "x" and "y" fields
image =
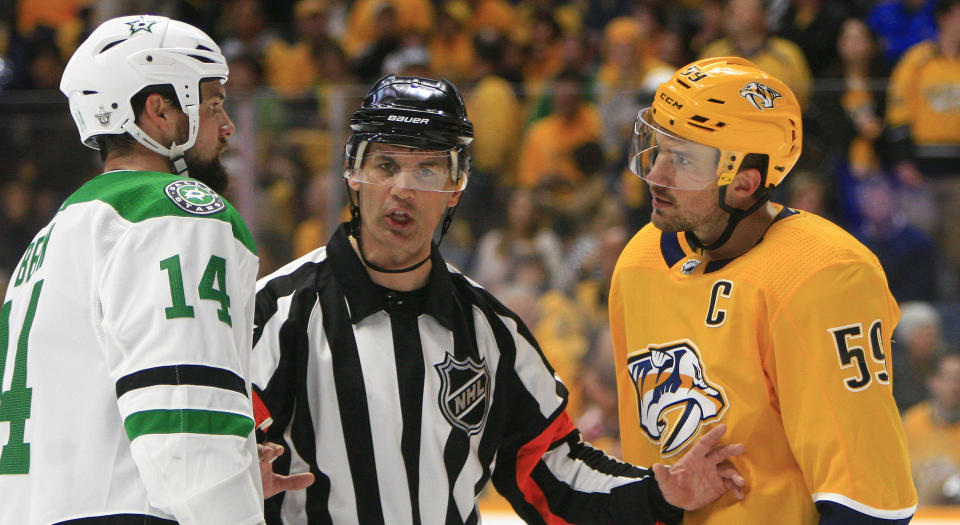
{"x": 124, "y": 340}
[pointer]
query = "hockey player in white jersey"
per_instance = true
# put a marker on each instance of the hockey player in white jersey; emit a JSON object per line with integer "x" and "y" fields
{"x": 125, "y": 330}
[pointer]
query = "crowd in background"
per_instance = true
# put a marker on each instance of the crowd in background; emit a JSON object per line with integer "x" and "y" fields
{"x": 553, "y": 88}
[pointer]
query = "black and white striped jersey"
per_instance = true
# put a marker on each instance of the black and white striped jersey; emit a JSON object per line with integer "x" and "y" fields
{"x": 404, "y": 405}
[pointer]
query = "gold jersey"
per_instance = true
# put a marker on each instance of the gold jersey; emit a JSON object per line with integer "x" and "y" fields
{"x": 786, "y": 345}
{"x": 924, "y": 95}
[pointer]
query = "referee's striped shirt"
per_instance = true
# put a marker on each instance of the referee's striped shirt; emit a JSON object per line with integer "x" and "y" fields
{"x": 404, "y": 405}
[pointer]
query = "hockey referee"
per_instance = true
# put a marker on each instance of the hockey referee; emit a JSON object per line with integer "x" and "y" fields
{"x": 404, "y": 386}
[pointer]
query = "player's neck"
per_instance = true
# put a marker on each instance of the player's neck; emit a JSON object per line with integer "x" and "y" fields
{"x": 137, "y": 159}
{"x": 747, "y": 233}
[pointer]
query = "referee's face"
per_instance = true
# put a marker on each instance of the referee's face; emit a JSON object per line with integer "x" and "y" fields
{"x": 397, "y": 223}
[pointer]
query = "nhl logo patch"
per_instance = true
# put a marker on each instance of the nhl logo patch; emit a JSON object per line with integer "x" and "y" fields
{"x": 194, "y": 197}
{"x": 464, "y": 393}
{"x": 689, "y": 266}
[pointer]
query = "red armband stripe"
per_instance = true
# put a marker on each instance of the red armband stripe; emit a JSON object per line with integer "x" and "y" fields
{"x": 527, "y": 458}
{"x": 261, "y": 415}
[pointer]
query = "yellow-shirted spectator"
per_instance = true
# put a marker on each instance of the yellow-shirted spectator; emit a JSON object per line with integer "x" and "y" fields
{"x": 289, "y": 68}
{"x": 745, "y": 28}
{"x": 626, "y": 63}
{"x": 923, "y": 113}
{"x": 544, "y": 53}
{"x": 627, "y": 70}
{"x": 547, "y": 150}
{"x": 413, "y": 16}
{"x": 933, "y": 434}
{"x": 495, "y": 14}
{"x": 562, "y": 333}
{"x": 923, "y": 109}
{"x": 496, "y": 112}
{"x": 451, "y": 46}
{"x": 51, "y": 13}
{"x": 314, "y": 59}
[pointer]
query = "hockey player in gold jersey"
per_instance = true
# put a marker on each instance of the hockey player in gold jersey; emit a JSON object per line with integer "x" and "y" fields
{"x": 730, "y": 308}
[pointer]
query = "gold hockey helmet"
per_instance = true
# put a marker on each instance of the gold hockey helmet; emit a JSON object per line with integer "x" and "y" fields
{"x": 725, "y": 103}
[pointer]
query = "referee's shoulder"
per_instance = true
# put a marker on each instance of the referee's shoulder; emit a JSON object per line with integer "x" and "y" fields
{"x": 295, "y": 273}
{"x": 477, "y": 295}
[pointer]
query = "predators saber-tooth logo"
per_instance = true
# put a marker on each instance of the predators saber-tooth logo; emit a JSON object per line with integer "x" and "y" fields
{"x": 760, "y": 95}
{"x": 674, "y": 396}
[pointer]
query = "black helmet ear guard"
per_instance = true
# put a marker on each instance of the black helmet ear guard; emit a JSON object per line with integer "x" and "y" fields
{"x": 414, "y": 112}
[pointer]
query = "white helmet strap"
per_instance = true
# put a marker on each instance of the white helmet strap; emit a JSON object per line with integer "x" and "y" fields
{"x": 176, "y": 152}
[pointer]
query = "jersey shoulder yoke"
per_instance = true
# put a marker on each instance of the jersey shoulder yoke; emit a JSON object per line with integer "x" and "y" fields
{"x": 140, "y": 195}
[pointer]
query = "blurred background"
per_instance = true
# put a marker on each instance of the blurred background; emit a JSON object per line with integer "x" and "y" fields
{"x": 553, "y": 88}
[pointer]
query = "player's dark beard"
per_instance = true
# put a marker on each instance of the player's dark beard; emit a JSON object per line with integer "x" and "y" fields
{"x": 210, "y": 172}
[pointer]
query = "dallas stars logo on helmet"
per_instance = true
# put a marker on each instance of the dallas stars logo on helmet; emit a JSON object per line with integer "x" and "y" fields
{"x": 194, "y": 197}
{"x": 141, "y": 24}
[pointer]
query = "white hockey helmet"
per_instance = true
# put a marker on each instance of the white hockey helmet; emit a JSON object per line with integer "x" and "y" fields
{"x": 125, "y": 55}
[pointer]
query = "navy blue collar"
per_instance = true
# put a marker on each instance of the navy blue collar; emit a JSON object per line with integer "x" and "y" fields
{"x": 673, "y": 252}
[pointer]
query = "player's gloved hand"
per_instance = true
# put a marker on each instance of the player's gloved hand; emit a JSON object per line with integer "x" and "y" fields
{"x": 702, "y": 474}
{"x": 274, "y": 483}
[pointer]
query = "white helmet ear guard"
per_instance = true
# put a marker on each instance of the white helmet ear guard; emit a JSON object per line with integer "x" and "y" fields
{"x": 125, "y": 55}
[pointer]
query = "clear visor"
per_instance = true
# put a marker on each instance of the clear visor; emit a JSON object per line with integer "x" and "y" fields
{"x": 408, "y": 168}
{"x": 664, "y": 159}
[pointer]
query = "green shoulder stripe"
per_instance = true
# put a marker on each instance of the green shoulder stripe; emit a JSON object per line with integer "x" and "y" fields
{"x": 187, "y": 422}
{"x": 141, "y": 195}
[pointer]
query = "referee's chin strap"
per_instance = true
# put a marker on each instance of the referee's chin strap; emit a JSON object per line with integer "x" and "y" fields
{"x": 355, "y": 231}
{"x": 736, "y": 215}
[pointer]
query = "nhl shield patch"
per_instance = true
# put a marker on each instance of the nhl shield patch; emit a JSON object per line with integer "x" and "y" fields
{"x": 464, "y": 393}
{"x": 194, "y": 197}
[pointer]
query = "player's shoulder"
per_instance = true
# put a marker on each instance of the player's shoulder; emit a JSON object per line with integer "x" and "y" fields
{"x": 138, "y": 196}
{"x": 642, "y": 249}
{"x": 806, "y": 259}
{"x": 801, "y": 244}
{"x": 815, "y": 233}
{"x": 295, "y": 270}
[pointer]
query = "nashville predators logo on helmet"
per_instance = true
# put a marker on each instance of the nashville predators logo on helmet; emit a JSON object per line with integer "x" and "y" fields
{"x": 760, "y": 95}
{"x": 674, "y": 396}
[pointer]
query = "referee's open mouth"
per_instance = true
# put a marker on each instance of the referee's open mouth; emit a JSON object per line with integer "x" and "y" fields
{"x": 399, "y": 218}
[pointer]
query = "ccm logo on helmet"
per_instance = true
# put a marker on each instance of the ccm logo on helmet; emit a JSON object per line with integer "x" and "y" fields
{"x": 411, "y": 120}
{"x": 670, "y": 100}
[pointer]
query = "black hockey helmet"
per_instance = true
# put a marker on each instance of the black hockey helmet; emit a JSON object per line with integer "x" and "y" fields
{"x": 414, "y": 112}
